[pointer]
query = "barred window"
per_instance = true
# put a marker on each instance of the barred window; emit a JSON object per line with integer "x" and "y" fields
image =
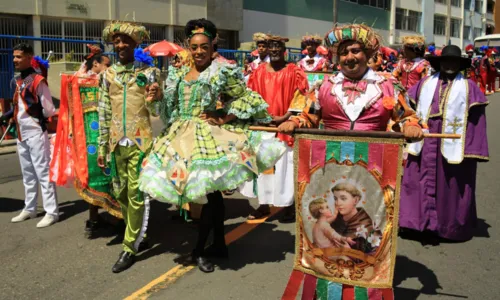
{"x": 439, "y": 25}
{"x": 477, "y": 32}
{"x": 456, "y": 25}
{"x": 456, "y": 3}
{"x": 408, "y": 19}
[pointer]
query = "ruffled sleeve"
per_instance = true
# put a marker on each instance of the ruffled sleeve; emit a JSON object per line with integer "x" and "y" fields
{"x": 243, "y": 102}
{"x": 168, "y": 106}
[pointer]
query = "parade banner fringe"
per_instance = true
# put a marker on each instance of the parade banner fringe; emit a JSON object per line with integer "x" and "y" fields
{"x": 347, "y": 204}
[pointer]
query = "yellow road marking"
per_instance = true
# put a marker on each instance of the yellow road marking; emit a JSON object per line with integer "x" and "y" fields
{"x": 178, "y": 271}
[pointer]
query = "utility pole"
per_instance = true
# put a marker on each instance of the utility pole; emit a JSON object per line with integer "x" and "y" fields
{"x": 335, "y": 12}
{"x": 448, "y": 22}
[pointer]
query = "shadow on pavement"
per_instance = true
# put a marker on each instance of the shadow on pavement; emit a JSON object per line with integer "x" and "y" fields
{"x": 407, "y": 268}
{"x": 170, "y": 234}
{"x": 430, "y": 238}
{"x": 11, "y": 205}
{"x": 69, "y": 209}
{"x": 260, "y": 246}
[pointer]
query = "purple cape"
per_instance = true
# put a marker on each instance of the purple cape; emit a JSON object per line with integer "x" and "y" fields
{"x": 439, "y": 196}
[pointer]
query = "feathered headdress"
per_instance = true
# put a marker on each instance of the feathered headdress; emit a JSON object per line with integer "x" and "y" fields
{"x": 312, "y": 38}
{"x": 143, "y": 57}
{"x": 136, "y": 31}
{"x": 355, "y": 32}
{"x": 483, "y": 48}
{"x": 469, "y": 48}
{"x": 40, "y": 65}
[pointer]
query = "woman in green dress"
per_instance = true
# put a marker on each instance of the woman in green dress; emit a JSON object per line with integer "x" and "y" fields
{"x": 203, "y": 152}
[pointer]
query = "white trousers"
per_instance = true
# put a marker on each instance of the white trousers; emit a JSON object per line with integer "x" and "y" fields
{"x": 34, "y": 156}
{"x": 274, "y": 189}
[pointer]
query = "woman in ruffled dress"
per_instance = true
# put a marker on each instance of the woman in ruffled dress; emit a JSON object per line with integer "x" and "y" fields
{"x": 203, "y": 152}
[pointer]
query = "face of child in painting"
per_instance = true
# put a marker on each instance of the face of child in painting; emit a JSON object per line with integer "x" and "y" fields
{"x": 345, "y": 202}
{"x": 325, "y": 211}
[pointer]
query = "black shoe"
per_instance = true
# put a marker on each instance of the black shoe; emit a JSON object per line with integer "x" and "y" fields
{"x": 217, "y": 251}
{"x": 125, "y": 261}
{"x": 144, "y": 245}
{"x": 205, "y": 265}
{"x": 91, "y": 228}
{"x": 289, "y": 215}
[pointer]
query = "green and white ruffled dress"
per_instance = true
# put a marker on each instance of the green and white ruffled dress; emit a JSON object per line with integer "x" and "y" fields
{"x": 193, "y": 158}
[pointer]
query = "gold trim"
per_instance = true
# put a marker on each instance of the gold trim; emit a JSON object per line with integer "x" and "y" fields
{"x": 487, "y": 158}
{"x": 114, "y": 211}
{"x": 478, "y": 103}
{"x": 392, "y": 222}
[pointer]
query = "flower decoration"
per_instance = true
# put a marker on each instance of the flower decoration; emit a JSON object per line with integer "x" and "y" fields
{"x": 362, "y": 232}
{"x": 141, "y": 79}
{"x": 388, "y": 103}
{"x": 374, "y": 239}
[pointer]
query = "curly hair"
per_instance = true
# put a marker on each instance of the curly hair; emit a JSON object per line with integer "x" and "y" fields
{"x": 207, "y": 25}
{"x": 315, "y": 206}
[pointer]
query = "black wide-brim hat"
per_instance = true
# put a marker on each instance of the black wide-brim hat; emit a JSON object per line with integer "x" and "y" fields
{"x": 450, "y": 51}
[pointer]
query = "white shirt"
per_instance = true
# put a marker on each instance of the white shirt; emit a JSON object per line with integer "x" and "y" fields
{"x": 28, "y": 126}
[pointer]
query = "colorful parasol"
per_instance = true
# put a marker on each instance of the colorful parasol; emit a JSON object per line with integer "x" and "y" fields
{"x": 163, "y": 48}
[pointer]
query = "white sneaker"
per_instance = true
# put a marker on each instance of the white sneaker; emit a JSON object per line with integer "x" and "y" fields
{"x": 23, "y": 216}
{"x": 47, "y": 221}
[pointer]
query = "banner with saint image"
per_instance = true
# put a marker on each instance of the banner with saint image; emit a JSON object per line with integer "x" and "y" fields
{"x": 347, "y": 201}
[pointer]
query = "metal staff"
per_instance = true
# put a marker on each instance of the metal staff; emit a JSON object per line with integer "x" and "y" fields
{"x": 5, "y": 133}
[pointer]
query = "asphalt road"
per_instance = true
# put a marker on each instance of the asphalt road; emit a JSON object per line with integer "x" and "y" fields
{"x": 59, "y": 263}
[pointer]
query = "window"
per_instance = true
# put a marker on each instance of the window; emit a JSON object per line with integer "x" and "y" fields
{"x": 441, "y": 1}
{"x": 69, "y": 29}
{"x": 477, "y": 32}
{"x": 408, "y": 19}
{"x": 384, "y": 4}
{"x": 439, "y": 25}
{"x": 478, "y": 6}
{"x": 467, "y": 33}
{"x": 456, "y": 3}
{"x": 456, "y": 24}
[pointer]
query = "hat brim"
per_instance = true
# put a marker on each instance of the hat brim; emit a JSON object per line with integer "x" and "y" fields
{"x": 435, "y": 61}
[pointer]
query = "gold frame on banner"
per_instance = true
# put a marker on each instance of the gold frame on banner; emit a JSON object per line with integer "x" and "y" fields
{"x": 390, "y": 234}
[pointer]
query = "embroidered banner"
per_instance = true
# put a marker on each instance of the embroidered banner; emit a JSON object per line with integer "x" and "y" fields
{"x": 347, "y": 209}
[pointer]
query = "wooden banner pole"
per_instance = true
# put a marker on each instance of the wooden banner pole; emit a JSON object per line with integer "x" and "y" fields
{"x": 380, "y": 134}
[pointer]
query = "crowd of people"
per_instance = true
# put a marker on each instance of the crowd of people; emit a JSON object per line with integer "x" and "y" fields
{"x": 207, "y": 104}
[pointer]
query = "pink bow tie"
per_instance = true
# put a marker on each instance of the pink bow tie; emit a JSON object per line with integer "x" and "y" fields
{"x": 353, "y": 89}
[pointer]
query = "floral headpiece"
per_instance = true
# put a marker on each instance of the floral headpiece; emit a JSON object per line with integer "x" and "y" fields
{"x": 201, "y": 30}
{"x": 355, "y": 32}
{"x": 136, "y": 31}
{"x": 312, "y": 39}
{"x": 259, "y": 37}
{"x": 414, "y": 41}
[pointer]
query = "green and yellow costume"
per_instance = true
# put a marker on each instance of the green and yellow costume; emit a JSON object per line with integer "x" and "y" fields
{"x": 126, "y": 134}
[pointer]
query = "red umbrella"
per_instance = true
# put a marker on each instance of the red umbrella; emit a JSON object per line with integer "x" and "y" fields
{"x": 386, "y": 51}
{"x": 163, "y": 48}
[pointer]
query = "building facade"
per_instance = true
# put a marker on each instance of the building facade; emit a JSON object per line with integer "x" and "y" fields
{"x": 393, "y": 19}
{"x": 85, "y": 20}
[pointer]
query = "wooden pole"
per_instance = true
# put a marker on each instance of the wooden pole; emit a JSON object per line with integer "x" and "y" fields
{"x": 355, "y": 133}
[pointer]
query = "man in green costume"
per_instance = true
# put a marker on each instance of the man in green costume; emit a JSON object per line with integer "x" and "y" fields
{"x": 125, "y": 130}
